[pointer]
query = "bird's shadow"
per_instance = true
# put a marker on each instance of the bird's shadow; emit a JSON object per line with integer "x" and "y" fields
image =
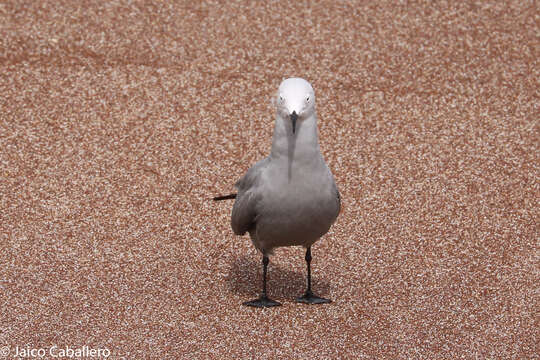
{"x": 245, "y": 278}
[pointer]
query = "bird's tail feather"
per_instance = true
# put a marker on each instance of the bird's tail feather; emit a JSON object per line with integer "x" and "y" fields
{"x": 225, "y": 197}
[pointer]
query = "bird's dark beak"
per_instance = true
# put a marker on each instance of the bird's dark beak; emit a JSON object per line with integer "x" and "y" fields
{"x": 294, "y": 117}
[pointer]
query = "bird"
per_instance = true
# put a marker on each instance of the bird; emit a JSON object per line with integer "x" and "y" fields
{"x": 289, "y": 198}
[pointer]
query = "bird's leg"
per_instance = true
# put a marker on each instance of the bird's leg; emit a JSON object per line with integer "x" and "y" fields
{"x": 309, "y": 297}
{"x": 263, "y": 300}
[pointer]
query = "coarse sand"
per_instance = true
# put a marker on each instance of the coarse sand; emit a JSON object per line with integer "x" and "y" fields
{"x": 120, "y": 120}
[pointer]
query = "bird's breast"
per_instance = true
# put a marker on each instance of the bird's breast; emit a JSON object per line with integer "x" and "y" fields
{"x": 299, "y": 211}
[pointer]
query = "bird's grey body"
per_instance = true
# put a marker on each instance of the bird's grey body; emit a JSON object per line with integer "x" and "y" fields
{"x": 289, "y": 198}
{"x": 279, "y": 207}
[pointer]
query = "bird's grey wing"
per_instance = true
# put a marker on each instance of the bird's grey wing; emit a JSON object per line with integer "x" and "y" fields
{"x": 244, "y": 211}
{"x": 336, "y": 190}
{"x": 338, "y": 200}
{"x": 338, "y": 195}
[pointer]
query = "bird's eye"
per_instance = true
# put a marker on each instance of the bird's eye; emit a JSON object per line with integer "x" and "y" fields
{"x": 307, "y": 99}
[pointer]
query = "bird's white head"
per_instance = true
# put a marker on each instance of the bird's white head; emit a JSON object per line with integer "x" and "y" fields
{"x": 295, "y": 100}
